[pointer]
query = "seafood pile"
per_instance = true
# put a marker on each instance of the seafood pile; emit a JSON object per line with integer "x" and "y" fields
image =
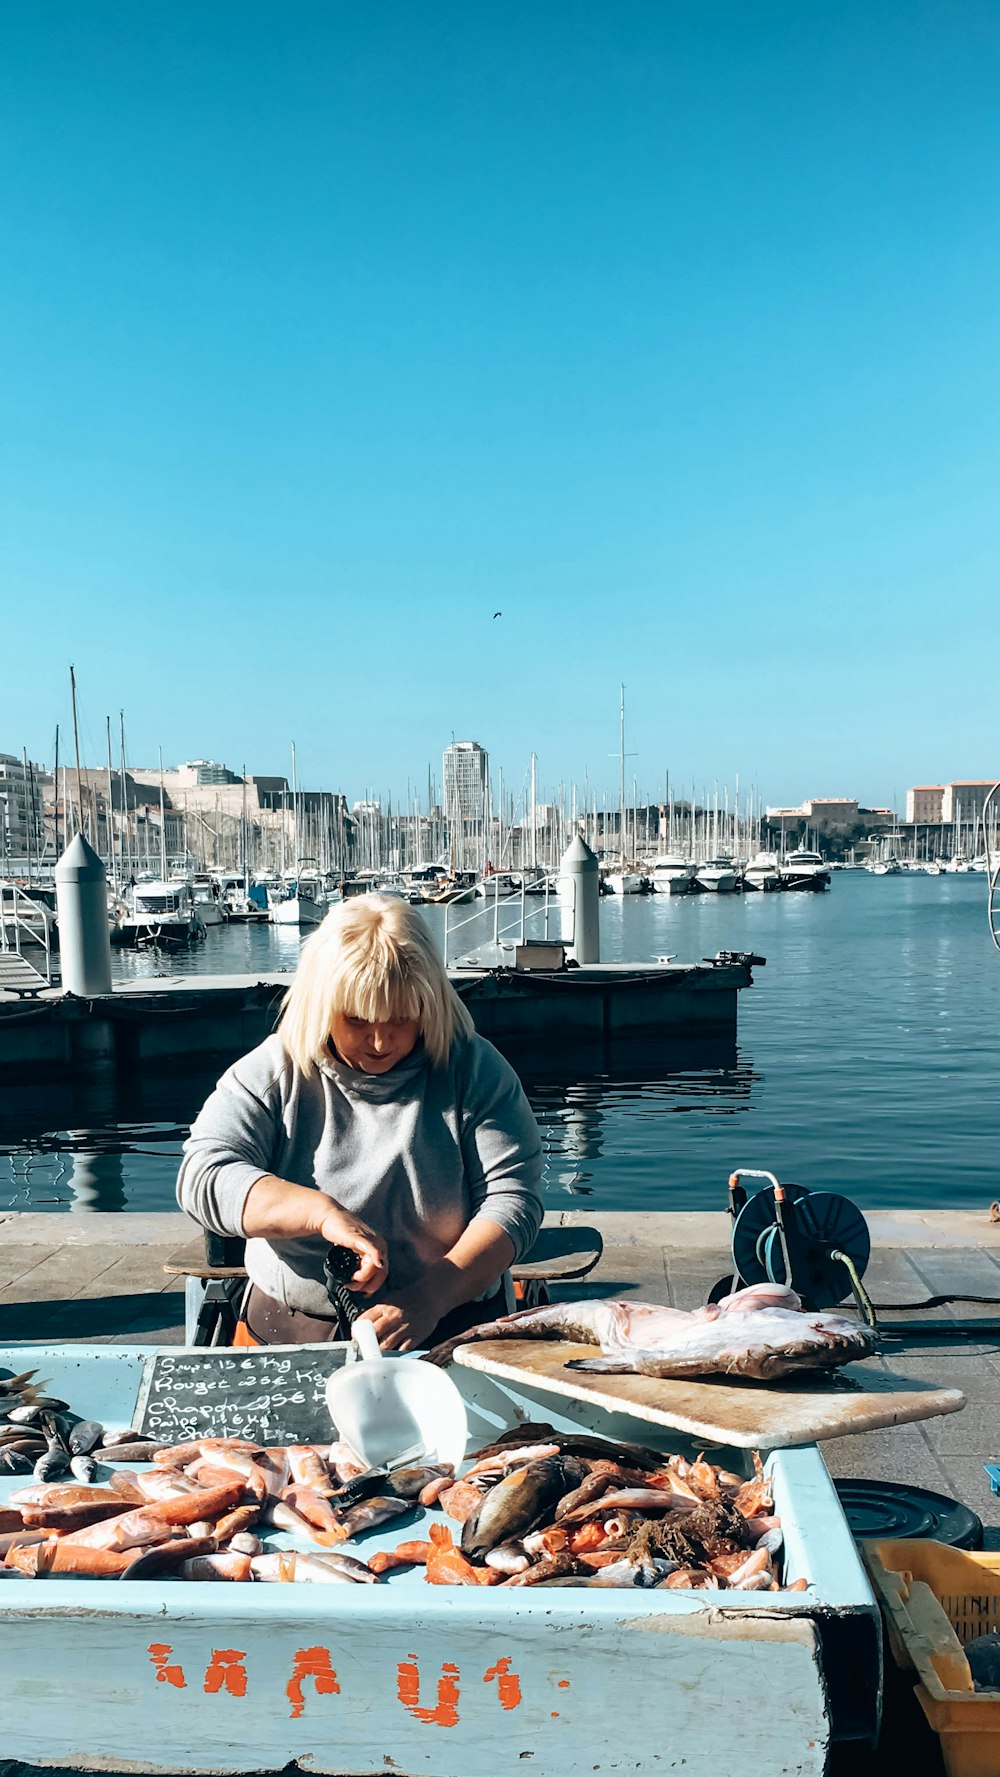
{"x": 758, "y": 1334}
{"x": 536, "y": 1507}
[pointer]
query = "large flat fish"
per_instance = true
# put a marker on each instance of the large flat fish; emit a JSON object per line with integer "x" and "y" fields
{"x": 761, "y": 1334}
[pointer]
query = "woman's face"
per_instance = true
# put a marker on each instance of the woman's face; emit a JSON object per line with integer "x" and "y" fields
{"x": 373, "y": 1048}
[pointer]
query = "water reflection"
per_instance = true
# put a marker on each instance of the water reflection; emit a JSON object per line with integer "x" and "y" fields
{"x": 592, "y": 1112}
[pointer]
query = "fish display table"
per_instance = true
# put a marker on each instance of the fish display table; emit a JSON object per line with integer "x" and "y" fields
{"x": 174, "y": 1676}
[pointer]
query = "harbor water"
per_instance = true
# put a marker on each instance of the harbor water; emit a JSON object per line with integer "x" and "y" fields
{"x": 867, "y": 1061}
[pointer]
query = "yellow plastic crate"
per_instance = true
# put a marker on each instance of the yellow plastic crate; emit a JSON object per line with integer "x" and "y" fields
{"x": 937, "y": 1599}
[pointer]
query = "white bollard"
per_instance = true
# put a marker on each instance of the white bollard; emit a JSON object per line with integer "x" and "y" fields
{"x": 579, "y": 869}
{"x": 82, "y": 905}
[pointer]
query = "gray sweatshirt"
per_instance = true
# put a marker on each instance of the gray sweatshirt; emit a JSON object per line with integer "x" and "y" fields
{"x": 418, "y": 1153}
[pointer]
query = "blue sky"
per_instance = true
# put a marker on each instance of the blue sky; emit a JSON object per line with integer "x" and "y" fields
{"x": 669, "y": 330}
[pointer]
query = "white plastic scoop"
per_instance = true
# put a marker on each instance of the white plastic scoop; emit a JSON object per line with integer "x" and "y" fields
{"x": 393, "y": 1409}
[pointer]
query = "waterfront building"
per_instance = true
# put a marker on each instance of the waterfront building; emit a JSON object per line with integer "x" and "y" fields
{"x": 466, "y": 774}
{"x": 965, "y": 798}
{"x": 20, "y": 811}
{"x": 924, "y": 804}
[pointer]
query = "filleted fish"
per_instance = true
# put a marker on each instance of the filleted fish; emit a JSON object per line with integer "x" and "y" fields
{"x": 758, "y": 1334}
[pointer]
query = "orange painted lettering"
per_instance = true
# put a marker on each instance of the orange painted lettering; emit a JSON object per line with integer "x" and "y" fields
{"x": 508, "y": 1683}
{"x": 159, "y": 1653}
{"x": 314, "y": 1663}
{"x": 226, "y": 1671}
{"x": 445, "y": 1712}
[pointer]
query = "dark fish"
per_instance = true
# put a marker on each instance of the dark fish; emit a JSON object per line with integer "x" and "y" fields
{"x": 983, "y": 1656}
{"x": 407, "y": 1483}
{"x": 85, "y": 1437}
{"x": 15, "y": 1462}
{"x": 361, "y": 1487}
{"x": 544, "y": 1571}
{"x": 518, "y": 1503}
{"x": 129, "y": 1452}
{"x": 54, "y": 1462}
{"x": 370, "y": 1513}
{"x": 21, "y": 1385}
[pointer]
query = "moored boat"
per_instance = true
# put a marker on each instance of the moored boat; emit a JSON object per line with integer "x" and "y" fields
{"x": 804, "y": 870}
{"x": 716, "y": 876}
{"x": 763, "y": 872}
{"x": 158, "y": 912}
{"x": 671, "y": 875}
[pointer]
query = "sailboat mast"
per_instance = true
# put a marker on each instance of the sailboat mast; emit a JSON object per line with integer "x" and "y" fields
{"x": 534, "y": 806}
{"x": 621, "y": 781}
{"x": 55, "y": 781}
{"x": 76, "y": 744}
{"x": 163, "y": 826}
{"x": 295, "y": 812}
{"x": 126, "y": 836}
{"x": 110, "y": 824}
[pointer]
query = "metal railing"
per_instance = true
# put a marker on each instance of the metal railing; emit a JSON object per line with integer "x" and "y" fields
{"x": 24, "y": 920}
{"x": 522, "y": 912}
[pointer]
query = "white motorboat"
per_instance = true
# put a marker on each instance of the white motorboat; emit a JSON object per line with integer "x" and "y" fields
{"x": 624, "y": 882}
{"x": 300, "y": 902}
{"x": 671, "y": 875}
{"x": 885, "y": 867}
{"x": 958, "y": 865}
{"x": 804, "y": 870}
{"x": 208, "y": 899}
{"x": 716, "y": 876}
{"x": 762, "y": 872}
{"x": 161, "y": 913}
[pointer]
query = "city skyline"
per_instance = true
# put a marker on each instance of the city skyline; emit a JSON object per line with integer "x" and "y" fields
{"x": 373, "y": 375}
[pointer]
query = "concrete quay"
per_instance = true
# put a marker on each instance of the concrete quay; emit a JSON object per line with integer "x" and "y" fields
{"x": 178, "y": 1018}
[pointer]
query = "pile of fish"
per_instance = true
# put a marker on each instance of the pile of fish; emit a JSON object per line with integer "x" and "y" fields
{"x": 758, "y": 1334}
{"x": 537, "y": 1507}
{"x": 573, "y": 1509}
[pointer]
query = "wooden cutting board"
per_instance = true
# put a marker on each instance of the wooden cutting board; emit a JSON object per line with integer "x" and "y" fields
{"x": 753, "y": 1415}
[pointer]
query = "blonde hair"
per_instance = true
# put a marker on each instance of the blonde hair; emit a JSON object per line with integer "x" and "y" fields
{"x": 372, "y": 958}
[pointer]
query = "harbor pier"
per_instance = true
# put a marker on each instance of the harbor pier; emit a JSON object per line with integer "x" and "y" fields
{"x": 174, "y": 1019}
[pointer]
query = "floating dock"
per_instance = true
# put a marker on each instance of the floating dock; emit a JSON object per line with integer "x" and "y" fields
{"x": 178, "y": 1018}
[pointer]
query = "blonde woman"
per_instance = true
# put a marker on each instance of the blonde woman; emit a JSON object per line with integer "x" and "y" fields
{"x": 375, "y": 1119}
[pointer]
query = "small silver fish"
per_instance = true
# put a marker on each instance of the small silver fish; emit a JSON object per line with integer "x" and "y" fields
{"x": 85, "y": 1437}
{"x": 50, "y": 1465}
{"x": 370, "y": 1513}
{"x": 245, "y": 1543}
{"x": 347, "y": 1565}
{"x": 84, "y": 1468}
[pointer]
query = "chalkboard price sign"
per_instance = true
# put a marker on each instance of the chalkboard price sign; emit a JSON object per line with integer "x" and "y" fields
{"x": 273, "y": 1395}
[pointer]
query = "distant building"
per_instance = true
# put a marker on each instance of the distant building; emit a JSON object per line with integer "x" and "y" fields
{"x": 820, "y": 812}
{"x": 924, "y": 804}
{"x": 965, "y": 799}
{"x": 20, "y": 808}
{"x": 465, "y": 771}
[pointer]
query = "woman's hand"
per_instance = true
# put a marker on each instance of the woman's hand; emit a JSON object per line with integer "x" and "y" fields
{"x": 338, "y": 1227}
{"x": 404, "y": 1319}
{"x": 275, "y": 1209}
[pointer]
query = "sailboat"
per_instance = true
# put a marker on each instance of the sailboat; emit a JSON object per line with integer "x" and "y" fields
{"x": 301, "y": 900}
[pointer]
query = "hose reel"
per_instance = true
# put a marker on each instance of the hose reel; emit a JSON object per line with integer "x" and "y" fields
{"x": 817, "y": 1242}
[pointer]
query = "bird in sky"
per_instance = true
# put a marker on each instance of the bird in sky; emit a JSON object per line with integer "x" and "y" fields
{"x": 497, "y": 614}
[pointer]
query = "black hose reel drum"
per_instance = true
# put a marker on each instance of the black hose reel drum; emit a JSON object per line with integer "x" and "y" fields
{"x": 815, "y": 1241}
